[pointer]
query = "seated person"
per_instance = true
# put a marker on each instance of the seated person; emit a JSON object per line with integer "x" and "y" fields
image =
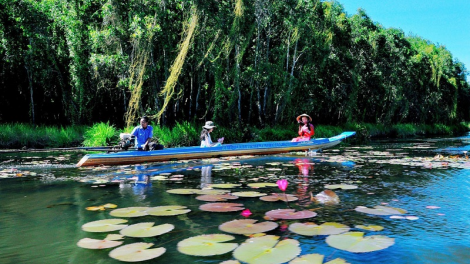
{"x": 206, "y": 140}
{"x": 306, "y": 129}
{"x": 143, "y": 136}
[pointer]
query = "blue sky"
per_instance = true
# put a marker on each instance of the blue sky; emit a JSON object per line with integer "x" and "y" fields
{"x": 443, "y": 22}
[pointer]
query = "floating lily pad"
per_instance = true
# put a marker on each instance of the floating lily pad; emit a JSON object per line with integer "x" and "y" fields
{"x": 130, "y": 212}
{"x": 341, "y": 186}
{"x": 216, "y": 197}
{"x": 106, "y": 225}
{"x": 212, "y": 192}
{"x": 101, "y": 207}
{"x": 222, "y": 207}
{"x": 311, "y": 229}
{"x": 146, "y": 230}
{"x": 357, "y": 243}
{"x": 95, "y": 208}
{"x": 290, "y": 214}
{"x": 316, "y": 259}
{"x": 98, "y": 243}
{"x": 262, "y": 184}
{"x": 225, "y": 185}
{"x": 247, "y": 226}
{"x": 230, "y": 262}
{"x": 184, "y": 191}
{"x": 370, "y": 227}
{"x": 168, "y": 210}
{"x": 136, "y": 252}
{"x": 326, "y": 197}
{"x": 114, "y": 237}
{"x": 267, "y": 249}
{"x": 207, "y": 245}
{"x": 159, "y": 178}
{"x": 279, "y": 197}
{"x": 249, "y": 194}
{"x": 380, "y": 210}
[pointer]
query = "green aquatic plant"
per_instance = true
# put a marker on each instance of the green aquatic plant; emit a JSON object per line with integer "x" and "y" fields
{"x": 100, "y": 134}
{"x": 207, "y": 245}
{"x": 357, "y": 243}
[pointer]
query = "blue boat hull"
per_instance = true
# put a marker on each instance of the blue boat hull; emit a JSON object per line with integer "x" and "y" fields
{"x": 256, "y": 148}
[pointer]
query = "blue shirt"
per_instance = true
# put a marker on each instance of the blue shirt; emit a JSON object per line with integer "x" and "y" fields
{"x": 141, "y": 135}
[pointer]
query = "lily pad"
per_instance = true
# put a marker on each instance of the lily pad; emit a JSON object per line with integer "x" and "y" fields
{"x": 357, "y": 243}
{"x": 380, "y": 210}
{"x": 106, "y": 225}
{"x": 98, "y": 243}
{"x": 267, "y": 249}
{"x": 159, "y": 178}
{"x": 290, "y": 214}
{"x": 184, "y": 191}
{"x": 316, "y": 259}
{"x": 225, "y": 185}
{"x": 207, "y": 245}
{"x": 216, "y": 197}
{"x": 247, "y": 226}
{"x": 146, "y": 230}
{"x": 114, "y": 237}
{"x": 168, "y": 210}
{"x": 249, "y": 194}
{"x": 341, "y": 186}
{"x": 279, "y": 197}
{"x": 262, "y": 184}
{"x": 311, "y": 229}
{"x": 130, "y": 212}
{"x": 222, "y": 207}
{"x": 370, "y": 227}
{"x": 212, "y": 192}
{"x": 136, "y": 252}
{"x": 230, "y": 262}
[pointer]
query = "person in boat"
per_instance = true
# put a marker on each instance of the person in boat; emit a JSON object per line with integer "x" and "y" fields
{"x": 206, "y": 140}
{"x": 143, "y": 136}
{"x": 306, "y": 129}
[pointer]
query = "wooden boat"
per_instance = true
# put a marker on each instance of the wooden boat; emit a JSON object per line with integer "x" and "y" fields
{"x": 256, "y": 148}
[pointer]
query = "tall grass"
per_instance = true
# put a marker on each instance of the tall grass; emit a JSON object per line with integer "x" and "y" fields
{"x": 100, "y": 134}
{"x": 30, "y": 136}
{"x": 187, "y": 134}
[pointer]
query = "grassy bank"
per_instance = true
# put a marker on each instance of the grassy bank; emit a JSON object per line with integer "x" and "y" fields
{"x": 187, "y": 134}
{"x": 30, "y": 136}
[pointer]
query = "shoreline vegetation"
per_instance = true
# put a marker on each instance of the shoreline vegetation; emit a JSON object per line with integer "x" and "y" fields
{"x": 16, "y": 136}
{"x": 238, "y": 63}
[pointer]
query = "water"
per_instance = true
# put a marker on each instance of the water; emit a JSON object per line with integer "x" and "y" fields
{"x": 41, "y": 216}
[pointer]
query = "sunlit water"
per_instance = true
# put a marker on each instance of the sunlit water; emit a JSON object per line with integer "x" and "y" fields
{"x": 41, "y": 216}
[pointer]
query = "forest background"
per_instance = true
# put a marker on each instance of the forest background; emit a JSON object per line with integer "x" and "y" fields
{"x": 243, "y": 64}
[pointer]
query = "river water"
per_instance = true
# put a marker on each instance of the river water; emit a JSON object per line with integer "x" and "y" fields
{"x": 43, "y": 200}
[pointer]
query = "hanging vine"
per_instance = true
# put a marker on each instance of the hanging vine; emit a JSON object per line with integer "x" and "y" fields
{"x": 175, "y": 69}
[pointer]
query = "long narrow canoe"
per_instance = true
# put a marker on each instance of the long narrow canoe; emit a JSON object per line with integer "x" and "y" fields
{"x": 257, "y": 148}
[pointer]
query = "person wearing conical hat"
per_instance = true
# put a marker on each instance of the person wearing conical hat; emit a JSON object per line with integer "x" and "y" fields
{"x": 306, "y": 129}
{"x": 206, "y": 140}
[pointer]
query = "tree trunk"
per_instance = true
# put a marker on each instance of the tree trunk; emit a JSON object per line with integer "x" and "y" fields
{"x": 237, "y": 82}
{"x": 267, "y": 88}
{"x": 286, "y": 97}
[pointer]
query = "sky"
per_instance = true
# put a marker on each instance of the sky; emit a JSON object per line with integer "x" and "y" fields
{"x": 443, "y": 22}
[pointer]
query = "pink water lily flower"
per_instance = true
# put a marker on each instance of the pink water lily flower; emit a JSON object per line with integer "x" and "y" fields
{"x": 282, "y": 184}
{"x": 246, "y": 212}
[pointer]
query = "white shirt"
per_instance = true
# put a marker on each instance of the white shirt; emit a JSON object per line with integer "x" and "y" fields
{"x": 207, "y": 142}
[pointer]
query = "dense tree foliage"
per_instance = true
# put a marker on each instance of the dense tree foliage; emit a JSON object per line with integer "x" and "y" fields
{"x": 239, "y": 63}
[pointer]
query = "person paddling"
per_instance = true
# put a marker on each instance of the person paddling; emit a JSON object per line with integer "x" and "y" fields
{"x": 206, "y": 140}
{"x": 306, "y": 129}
